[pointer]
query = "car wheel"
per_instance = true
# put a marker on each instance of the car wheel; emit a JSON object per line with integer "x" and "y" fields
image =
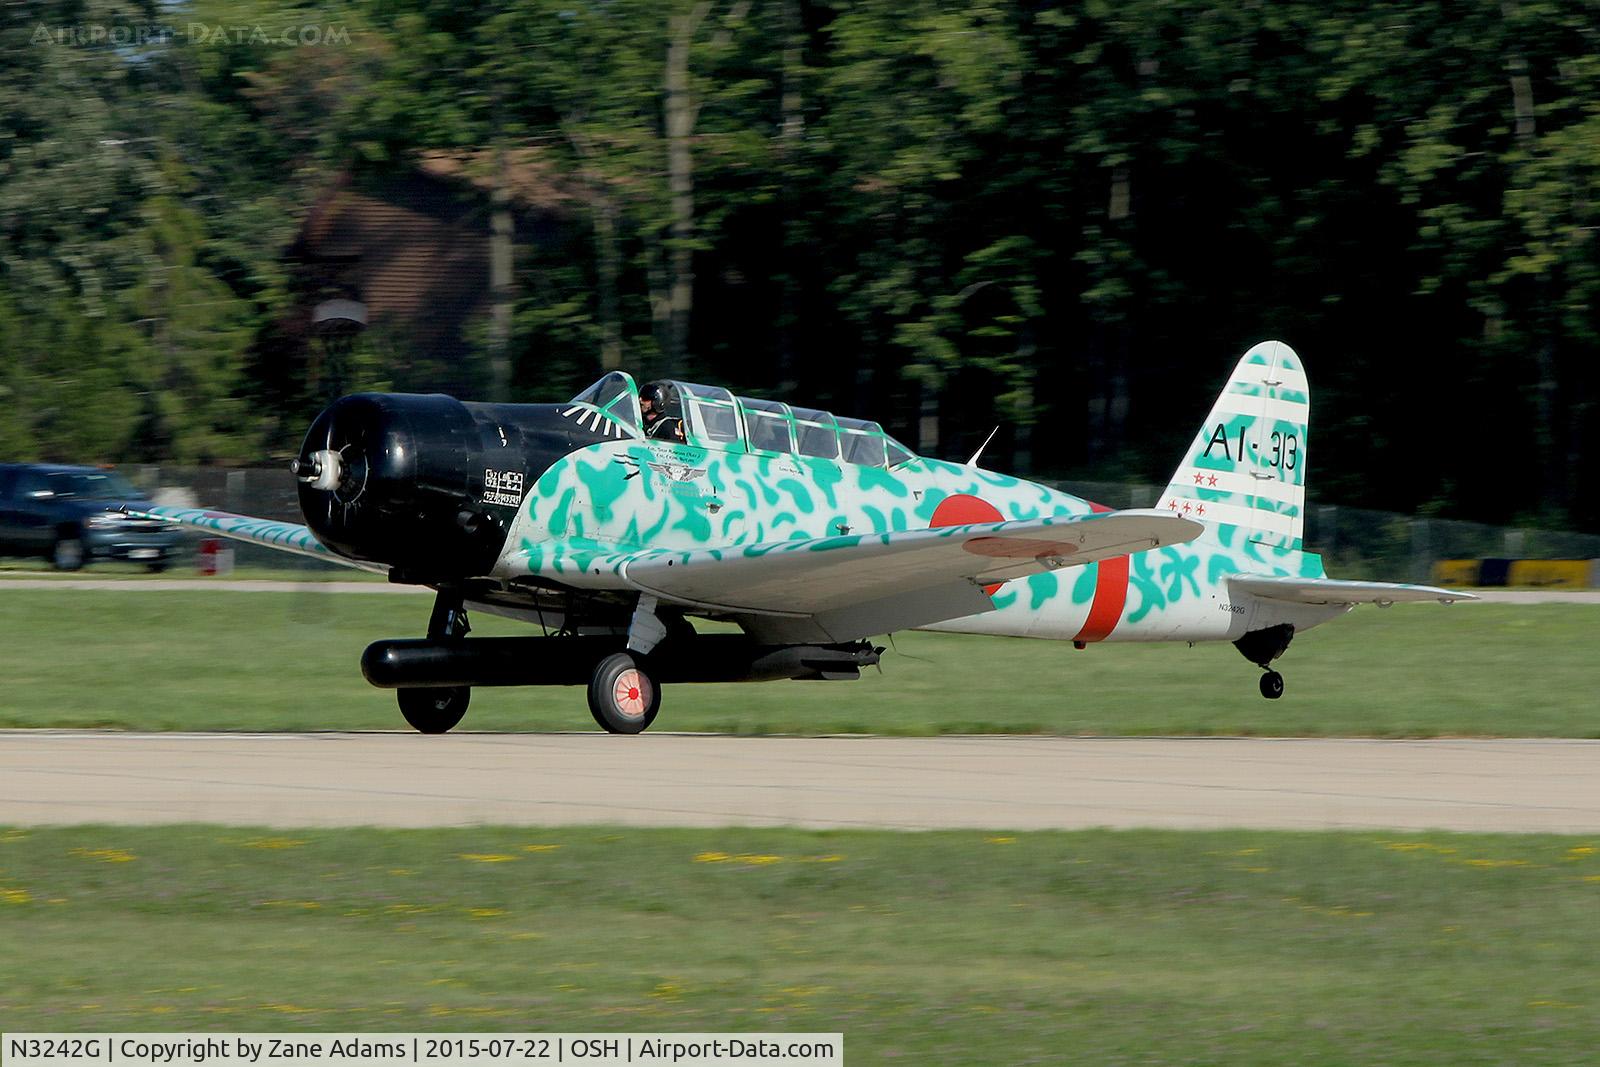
{"x": 67, "y": 554}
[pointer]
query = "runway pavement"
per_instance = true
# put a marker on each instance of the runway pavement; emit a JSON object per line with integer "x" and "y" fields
{"x": 1022, "y": 783}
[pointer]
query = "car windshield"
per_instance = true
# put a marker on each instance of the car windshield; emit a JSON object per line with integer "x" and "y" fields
{"x": 91, "y": 485}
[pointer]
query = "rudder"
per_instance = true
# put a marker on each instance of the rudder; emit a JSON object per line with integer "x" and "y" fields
{"x": 1247, "y": 465}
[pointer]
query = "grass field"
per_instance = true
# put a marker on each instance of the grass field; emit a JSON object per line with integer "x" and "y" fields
{"x": 269, "y": 661}
{"x": 292, "y": 569}
{"x": 1101, "y": 947}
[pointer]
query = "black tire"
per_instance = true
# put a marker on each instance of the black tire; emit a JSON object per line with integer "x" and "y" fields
{"x": 158, "y": 567}
{"x": 68, "y": 553}
{"x": 433, "y": 711}
{"x": 623, "y": 698}
{"x": 1272, "y": 685}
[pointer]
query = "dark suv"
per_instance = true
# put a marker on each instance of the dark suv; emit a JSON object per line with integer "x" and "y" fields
{"x": 65, "y": 515}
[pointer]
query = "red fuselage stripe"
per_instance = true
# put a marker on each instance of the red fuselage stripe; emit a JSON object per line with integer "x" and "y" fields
{"x": 1110, "y": 595}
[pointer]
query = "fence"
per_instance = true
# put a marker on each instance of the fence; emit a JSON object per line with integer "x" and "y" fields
{"x": 1383, "y": 545}
{"x": 267, "y": 493}
{"x": 1354, "y": 542}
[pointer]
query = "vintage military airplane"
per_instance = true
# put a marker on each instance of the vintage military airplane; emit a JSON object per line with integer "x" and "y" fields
{"x": 609, "y": 526}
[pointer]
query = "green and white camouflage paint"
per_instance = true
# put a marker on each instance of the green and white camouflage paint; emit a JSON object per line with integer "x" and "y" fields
{"x": 597, "y": 511}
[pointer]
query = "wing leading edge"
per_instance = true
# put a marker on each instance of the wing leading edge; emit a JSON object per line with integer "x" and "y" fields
{"x": 283, "y": 536}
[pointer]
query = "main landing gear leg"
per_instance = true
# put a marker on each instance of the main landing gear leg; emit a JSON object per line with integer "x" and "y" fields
{"x": 1261, "y": 647}
{"x": 436, "y": 710}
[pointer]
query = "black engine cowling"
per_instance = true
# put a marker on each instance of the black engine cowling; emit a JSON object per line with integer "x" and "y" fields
{"x": 425, "y": 483}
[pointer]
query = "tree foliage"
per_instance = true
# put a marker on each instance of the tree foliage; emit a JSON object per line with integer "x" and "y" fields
{"x": 1063, "y": 219}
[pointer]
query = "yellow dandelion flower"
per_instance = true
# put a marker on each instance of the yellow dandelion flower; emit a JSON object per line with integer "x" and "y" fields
{"x": 486, "y": 857}
{"x": 758, "y": 860}
{"x": 1001, "y": 840}
{"x": 540, "y": 848}
{"x": 485, "y": 913}
{"x": 712, "y": 857}
{"x": 16, "y": 896}
{"x": 274, "y": 843}
{"x": 105, "y": 855}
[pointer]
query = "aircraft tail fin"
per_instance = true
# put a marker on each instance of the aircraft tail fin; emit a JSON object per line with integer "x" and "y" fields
{"x": 1246, "y": 466}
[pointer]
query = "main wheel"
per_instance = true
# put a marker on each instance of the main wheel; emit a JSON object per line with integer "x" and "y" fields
{"x": 433, "y": 711}
{"x": 67, "y": 553}
{"x": 1272, "y": 685}
{"x": 623, "y": 698}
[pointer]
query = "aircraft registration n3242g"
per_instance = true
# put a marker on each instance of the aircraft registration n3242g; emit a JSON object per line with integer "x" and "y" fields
{"x": 610, "y": 527}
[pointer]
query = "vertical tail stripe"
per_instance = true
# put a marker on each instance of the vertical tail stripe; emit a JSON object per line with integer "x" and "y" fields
{"x": 1110, "y": 595}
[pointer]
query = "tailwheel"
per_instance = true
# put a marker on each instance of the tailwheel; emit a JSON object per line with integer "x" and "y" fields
{"x": 623, "y": 698}
{"x": 433, "y": 711}
{"x": 1263, "y": 646}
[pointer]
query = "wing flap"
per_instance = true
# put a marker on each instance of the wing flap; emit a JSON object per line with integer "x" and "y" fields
{"x": 1340, "y": 591}
{"x": 283, "y": 536}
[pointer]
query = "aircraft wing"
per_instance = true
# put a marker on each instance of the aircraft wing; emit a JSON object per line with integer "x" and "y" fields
{"x": 283, "y": 536}
{"x": 1338, "y": 591}
{"x": 846, "y": 588}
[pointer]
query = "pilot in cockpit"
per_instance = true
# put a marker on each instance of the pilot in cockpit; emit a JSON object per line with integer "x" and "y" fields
{"x": 659, "y": 406}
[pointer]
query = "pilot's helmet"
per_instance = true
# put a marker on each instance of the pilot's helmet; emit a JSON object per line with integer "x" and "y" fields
{"x": 661, "y": 397}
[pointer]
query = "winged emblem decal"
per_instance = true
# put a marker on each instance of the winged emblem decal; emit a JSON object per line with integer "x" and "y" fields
{"x": 677, "y": 472}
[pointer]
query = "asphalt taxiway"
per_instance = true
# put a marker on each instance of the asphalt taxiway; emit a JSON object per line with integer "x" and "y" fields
{"x": 1021, "y": 783}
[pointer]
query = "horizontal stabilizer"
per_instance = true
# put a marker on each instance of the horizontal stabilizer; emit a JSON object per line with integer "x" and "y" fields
{"x": 1338, "y": 591}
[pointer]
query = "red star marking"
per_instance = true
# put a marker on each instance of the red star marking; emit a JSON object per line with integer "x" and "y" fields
{"x": 1211, "y": 480}
{"x": 1199, "y": 479}
{"x": 1172, "y": 505}
{"x": 1186, "y": 507}
{"x": 1201, "y": 510}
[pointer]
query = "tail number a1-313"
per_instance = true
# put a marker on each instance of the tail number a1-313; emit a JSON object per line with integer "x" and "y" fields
{"x": 1285, "y": 447}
